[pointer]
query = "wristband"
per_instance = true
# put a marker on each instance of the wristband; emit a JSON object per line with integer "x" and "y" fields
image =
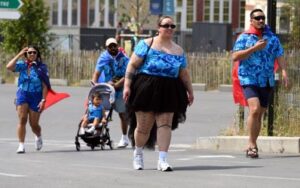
{"x": 43, "y": 100}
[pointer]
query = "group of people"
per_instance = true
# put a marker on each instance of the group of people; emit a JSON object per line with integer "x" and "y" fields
{"x": 154, "y": 88}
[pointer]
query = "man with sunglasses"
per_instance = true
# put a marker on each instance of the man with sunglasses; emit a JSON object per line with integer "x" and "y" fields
{"x": 110, "y": 68}
{"x": 256, "y": 50}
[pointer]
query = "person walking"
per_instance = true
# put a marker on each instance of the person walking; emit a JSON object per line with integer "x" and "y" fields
{"x": 256, "y": 50}
{"x": 31, "y": 93}
{"x": 110, "y": 68}
{"x": 160, "y": 92}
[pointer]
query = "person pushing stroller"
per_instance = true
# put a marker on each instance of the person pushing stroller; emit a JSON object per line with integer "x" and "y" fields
{"x": 95, "y": 114}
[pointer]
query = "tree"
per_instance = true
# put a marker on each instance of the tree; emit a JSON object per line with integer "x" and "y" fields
{"x": 135, "y": 14}
{"x": 31, "y": 28}
{"x": 294, "y": 14}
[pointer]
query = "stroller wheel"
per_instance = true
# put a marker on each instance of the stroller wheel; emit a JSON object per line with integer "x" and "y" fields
{"x": 93, "y": 147}
{"x": 77, "y": 146}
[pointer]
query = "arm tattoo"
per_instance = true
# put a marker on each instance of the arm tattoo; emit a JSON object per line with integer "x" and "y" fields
{"x": 129, "y": 75}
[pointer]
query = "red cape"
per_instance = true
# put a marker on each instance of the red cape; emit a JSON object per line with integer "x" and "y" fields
{"x": 53, "y": 97}
{"x": 237, "y": 91}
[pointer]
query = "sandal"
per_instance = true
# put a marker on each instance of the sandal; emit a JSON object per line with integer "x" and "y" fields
{"x": 252, "y": 152}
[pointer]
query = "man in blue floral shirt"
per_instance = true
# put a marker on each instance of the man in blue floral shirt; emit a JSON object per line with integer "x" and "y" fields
{"x": 256, "y": 50}
{"x": 110, "y": 68}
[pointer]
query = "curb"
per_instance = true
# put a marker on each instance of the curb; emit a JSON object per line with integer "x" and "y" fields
{"x": 225, "y": 88}
{"x": 199, "y": 86}
{"x": 239, "y": 143}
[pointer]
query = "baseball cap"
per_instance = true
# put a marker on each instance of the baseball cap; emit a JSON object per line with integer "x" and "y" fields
{"x": 110, "y": 41}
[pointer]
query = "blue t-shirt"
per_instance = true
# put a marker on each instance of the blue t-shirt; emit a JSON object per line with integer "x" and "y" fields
{"x": 258, "y": 68}
{"x": 31, "y": 82}
{"x": 159, "y": 63}
{"x": 95, "y": 112}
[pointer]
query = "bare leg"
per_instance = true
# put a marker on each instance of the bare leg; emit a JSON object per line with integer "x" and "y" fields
{"x": 254, "y": 120}
{"x": 145, "y": 121}
{"x": 34, "y": 118}
{"x": 164, "y": 132}
{"x": 124, "y": 124}
{"x": 23, "y": 116}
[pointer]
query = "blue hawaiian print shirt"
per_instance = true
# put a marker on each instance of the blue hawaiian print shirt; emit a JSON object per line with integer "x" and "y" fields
{"x": 94, "y": 112}
{"x": 31, "y": 82}
{"x": 258, "y": 68}
{"x": 111, "y": 67}
{"x": 159, "y": 63}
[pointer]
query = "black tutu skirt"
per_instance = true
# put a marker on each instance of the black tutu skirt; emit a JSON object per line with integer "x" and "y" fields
{"x": 156, "y": 94}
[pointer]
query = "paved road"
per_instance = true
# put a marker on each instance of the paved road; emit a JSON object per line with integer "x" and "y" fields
{"x": 60, "y": 165}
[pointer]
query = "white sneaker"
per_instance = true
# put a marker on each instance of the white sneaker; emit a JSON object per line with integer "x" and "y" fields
{"x": 21, "y": 149}
{"x": 138, "y": 161}
{"x": 123, "y": 142}
{"x": 163, "y": 166}
{"x": 81, "y": 131}
{"x": 91, "y": 130}
{"x": 38, "y": 143}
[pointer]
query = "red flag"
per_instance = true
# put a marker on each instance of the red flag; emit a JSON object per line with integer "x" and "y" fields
{"x": 53, "y": 97}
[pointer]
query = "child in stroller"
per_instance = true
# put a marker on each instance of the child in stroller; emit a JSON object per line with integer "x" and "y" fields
{"x": 96, "y": 118}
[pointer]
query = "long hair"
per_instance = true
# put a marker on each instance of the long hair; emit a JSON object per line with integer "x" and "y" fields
{"x": 38, "y": 54}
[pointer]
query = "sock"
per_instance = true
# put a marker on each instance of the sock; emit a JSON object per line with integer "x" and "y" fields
{"x": 124, "y": 137}
{"x": 21, "y": 144}
{"x": 38, "y": 137}
{"x": 138, "y": 150}
{"x": 162, "y": 155}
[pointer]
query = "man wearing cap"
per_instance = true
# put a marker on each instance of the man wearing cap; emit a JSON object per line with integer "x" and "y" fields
{"x": 110, "y": 68}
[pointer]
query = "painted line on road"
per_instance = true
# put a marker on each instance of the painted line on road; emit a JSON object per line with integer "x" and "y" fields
{"x": 12, "y": 175}
{"x": 207, "y": 157}
{"x": 259, "y": 177}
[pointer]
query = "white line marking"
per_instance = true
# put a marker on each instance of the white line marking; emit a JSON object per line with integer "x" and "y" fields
{"x": 207, "y": 157}
{"x": 260, "y": 177}
{"x": 12, "y": 175}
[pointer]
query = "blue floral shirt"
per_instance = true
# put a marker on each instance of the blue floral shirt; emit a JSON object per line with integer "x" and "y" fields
{"x": 94, "y": 112}
{"x": 159, "y": 63}
{"x": 111, "y": 67}
{"x": 28, "y": 82}
{"x": 258, "y": 68}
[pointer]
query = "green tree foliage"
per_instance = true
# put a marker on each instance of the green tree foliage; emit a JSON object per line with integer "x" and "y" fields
{"x": 294, "y": 39}
{"x": 31, "y": 28}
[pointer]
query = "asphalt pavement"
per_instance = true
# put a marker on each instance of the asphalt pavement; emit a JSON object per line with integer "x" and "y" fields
{"x": 58, "y": 164}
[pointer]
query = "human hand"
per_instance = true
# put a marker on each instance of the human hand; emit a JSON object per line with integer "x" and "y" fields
{"x": 126, "y": 93}
{"x": 285, "y": 78}
{"x": 41, "y": 106}
{"x": 190, "y": 98}
{"x": 260, "y": 44}
{"x": 23, "y": 51}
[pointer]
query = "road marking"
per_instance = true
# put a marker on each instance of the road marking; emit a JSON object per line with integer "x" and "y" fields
{"x": 207, "y": 157}
{"x": 12, "y": 175}
{"x": 260, "y": 177}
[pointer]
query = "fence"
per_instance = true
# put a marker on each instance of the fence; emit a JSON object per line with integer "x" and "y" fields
{"x": 212, "y": 69}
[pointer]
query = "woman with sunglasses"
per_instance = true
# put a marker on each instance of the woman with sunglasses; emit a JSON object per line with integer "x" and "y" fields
{"x": 31, "y": 93}
{"x": 159, "y": 94}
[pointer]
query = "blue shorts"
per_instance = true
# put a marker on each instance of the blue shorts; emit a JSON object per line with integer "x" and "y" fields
{"x": 119, "y": 104}
{"x": 262, "y": 93}
{"x": 31, "y": 98}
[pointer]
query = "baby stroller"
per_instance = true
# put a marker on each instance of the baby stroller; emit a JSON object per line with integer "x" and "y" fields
{"x": 100, "y": 137}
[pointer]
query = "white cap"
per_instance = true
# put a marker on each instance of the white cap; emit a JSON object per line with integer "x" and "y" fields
{"x": 110, "y": 41}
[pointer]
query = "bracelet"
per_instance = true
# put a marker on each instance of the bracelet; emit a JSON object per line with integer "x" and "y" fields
{"x": 43, "y": 100}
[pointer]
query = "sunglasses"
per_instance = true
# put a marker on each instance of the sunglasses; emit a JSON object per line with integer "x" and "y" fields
{"x": 259, "y": 18}
{"x": 31, "y": 52}
{"x": 166, "y": 26}
{"x": 111, "y": 46}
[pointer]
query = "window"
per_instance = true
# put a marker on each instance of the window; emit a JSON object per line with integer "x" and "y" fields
{"x": 65, "y": 12}
{"x": 111, "y": 19}
{"x": 91, "y": 12}
{"x": 242, "y": 14}
{"x": 178, "y": 20}
{"x": 189, "y": 13}
{"x": 54, "y": 12}
{"x": 226, "y": 13}
{"x": 206, "y": 10}
{"x": 74, "y": 12}
{"x": 216, "y": 13}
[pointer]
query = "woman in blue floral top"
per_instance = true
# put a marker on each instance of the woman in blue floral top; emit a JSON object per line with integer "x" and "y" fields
{"x": 31, "y": 93}
{"x": 160, "y": 93}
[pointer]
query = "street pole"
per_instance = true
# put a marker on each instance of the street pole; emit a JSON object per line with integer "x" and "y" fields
{"x": 272, "y": 24}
